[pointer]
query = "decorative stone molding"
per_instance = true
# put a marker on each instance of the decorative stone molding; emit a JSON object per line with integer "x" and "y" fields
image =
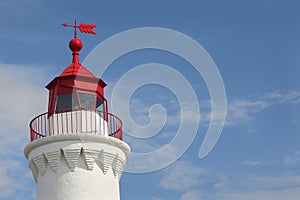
{"x": 40, "y": 163}
{"x": 53, "y": 159}
{"x": 80, "y": 138}
{"x": 72, "y": 156}
{"x": 91, "y": 156}
{"x": 34, "y": 170}
{"x": 104, "y": 160}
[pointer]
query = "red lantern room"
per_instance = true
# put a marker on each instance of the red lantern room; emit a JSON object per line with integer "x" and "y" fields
{"x": 76, "y": 101}
{"x": 76, "y": 88}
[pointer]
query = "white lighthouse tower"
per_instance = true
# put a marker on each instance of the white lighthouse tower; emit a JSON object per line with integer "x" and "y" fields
{"x": 76, "y": 150}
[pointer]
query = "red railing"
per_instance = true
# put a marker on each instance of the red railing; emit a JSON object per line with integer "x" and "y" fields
{"x": 78, "y": 121}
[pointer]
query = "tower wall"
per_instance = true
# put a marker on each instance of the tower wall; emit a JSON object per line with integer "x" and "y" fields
{"x": 77, "y": 166}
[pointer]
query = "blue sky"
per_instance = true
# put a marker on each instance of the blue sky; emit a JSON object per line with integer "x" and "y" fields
{"x": 255, "y": 45}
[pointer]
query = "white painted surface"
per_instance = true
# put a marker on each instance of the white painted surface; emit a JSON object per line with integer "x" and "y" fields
{"x": 78, "y": 185}
{"x": 81, "y": 121}
{"x": 77, "y": 166}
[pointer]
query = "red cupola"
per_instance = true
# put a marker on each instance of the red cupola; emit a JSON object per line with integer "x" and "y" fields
{"x": 76, "y": 88}
{"x": 76, "y": 101}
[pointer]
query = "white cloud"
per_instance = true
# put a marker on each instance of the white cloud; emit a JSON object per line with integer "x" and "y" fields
{"x": 157, "y": 123}
{"x": 23, "y": 97}
{"x": 198, "y": 184}
{"x": 292, "y": 160}
{"x": 239, "y": 111}
{"x": 289, "y": 193}
{"x": 242, "y": 110}
{"x": 254, "y": 163}
{"x": 249, "y": 186}
{"x": 182, "y": 176}
{"x": 191, "y": 195}
{"x": 156, "y": 198}
{"x": 270, "y": 182}
{"x": 280, "y": 96}
{"x": 149, "y": 120}
{"x": 7, "y": 183}
{"x": 14, "y": 181}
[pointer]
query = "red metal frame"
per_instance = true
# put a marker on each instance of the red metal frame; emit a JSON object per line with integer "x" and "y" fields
{"x": 41, "y": 126}
{"x": 53, "y": 102}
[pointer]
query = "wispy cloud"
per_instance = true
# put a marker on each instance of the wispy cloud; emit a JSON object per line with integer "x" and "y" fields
{"x": 14, "y": 181}
{"x": 246, "y": 187}
{"x": 156, "y": 198}
{"x": 155, "y": 116}
{"x": 289, "y": 193}
{"x": 191, "y": 195}
{"x": 281, "y": 97}
{"x": 292, "y": 159}
{"x": 170, "y": 115}
{"x": 22, "y": 98}
{"x": 8, "y": 184}
{"x": 22, "y": 95}
{"x": 241, "y": 111}
{"x": 197, "y": 183}
{"x": 254, "y": 163}
{"x": 182, "y": 176}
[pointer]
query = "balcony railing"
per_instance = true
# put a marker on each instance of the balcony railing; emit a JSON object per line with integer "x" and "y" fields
{"x": 76, "y": 122}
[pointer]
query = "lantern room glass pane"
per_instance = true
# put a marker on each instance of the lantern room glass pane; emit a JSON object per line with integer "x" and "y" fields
{"x": 100, "y": 104}
{"x": 66, "y": 102}
{"x": 101, "y": 107}
{"x": 87, "y": 101}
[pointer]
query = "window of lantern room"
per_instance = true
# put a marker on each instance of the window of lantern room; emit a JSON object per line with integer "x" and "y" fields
{"x": 90, "y": 102}
{"x": 87, "y": 101}
{"x": 67, "y": 102}
{"x": 80, "y": 100}
{"x": 101, "y": 106}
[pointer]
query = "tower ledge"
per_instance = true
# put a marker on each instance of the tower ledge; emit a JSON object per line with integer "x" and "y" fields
{"x": 72, "y": 151}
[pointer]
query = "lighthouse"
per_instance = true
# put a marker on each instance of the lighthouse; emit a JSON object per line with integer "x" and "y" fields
{"x": 76, "y": 150}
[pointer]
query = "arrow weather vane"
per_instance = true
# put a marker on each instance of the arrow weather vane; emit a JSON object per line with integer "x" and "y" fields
{"x": 84, "y": 28}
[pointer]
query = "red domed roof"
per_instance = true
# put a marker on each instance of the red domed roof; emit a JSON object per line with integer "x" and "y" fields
{"x": 75, "y": 68}
{"x": 78, "y": 70}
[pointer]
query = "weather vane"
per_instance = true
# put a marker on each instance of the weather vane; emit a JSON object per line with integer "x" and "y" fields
{"x": 84, "y": 28}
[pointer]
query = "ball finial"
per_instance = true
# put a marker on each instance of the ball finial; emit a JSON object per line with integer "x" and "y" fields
{"x": 75, "y": 44}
